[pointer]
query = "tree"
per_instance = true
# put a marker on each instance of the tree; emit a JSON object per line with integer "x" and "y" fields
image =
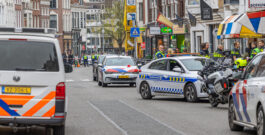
{"x": 113, "y": 24}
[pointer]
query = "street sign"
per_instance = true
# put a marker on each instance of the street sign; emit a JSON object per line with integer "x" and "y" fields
{"x": 131, "y": 2}
{"x": 135, "y": 32}
{"x": 131, "y": 16}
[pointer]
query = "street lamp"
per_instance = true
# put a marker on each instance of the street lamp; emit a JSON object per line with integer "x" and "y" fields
{"x": 103, "y": 41}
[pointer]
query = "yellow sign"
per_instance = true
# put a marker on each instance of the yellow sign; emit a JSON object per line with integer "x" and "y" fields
{"x": 131, "y": 9}
{"x": 178, "y": 30}
{"x": 162, "y": 19}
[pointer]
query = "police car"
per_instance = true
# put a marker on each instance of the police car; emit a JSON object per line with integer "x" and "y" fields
{"x": 32, "y": 76}
{"x": 247, "y": 98}
{"x": 173, "y": 76}
{"x": 117, "y": 70}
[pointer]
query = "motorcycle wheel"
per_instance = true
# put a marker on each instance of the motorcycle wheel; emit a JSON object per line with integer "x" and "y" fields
{"x": 213, "y": 101}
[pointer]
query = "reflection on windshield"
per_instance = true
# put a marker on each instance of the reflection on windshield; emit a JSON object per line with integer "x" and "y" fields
{"x": 119, "y": 62}
{"x": 194, "y": 64}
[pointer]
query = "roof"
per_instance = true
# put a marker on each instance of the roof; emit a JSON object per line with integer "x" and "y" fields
{"x": 117, "y": 56}
{"x": 187, "y": 57}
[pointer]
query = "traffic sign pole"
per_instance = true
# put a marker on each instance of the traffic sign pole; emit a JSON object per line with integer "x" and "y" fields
{"x": 135, "y": 42}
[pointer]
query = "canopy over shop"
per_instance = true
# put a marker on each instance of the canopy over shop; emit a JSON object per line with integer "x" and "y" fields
{"x": 247, "y": 25}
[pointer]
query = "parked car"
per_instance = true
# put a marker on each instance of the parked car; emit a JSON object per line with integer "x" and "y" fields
{"x": 246, "y": 100}
{"x": 173, "y": 76}
{"x": 117, "y": 70}
{"x": 32, "y": 80}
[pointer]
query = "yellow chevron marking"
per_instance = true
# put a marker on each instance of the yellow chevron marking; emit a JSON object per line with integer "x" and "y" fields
{"x": 170, "y": 79}
{"x": 177, "y": 79}
{"x": 174, "y": 78}
{"x": 183, "y": 79}
{"x": 144, "y": 76}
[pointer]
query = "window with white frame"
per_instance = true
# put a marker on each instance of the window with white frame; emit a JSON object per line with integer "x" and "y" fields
{"x": 53, "y": 21}
{"x": 53, "y": 4}
{"x": 141, "y": 11}
{"x": 172, "y": 11}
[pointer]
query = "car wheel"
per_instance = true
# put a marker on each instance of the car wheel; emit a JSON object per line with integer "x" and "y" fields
{"x": 99, "y": 83}
{"x": 232, "y": 117}
{"x": 145, "y": 91}
{"x": 190, "y": 93}
{"x": 260, "y": 121}
{"x": 104, "y": 85}
{"x": 59, "y": 130}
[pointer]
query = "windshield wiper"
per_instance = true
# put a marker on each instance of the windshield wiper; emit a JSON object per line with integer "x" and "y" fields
{"x": 28, "y": 69}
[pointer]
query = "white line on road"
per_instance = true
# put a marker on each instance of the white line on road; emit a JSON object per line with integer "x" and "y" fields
{"x": 107, "y": 118}
{"x": 69, "y": 80}
{"x": 85, "y": 80}
{"x": 179, "y": 132}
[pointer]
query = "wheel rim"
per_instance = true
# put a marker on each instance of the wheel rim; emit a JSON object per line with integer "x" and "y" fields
{"x": 260, "y": 123}
{"x": 144, "y": 90}
{"x": 190, "y": 93}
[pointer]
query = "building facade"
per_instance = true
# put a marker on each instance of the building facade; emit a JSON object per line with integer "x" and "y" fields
{"x": 7, "y": 13}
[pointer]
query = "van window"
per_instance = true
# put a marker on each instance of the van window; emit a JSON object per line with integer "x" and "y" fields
{"x": 28, "y": 56}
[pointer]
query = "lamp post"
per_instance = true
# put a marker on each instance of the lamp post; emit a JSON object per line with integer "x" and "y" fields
{"x": 103, "y": 40}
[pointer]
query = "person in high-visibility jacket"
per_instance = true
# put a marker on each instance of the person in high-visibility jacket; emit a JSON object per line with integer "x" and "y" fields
{"x": 204, "y": 52}
{"x": 241, "y": 62}
{"x": 235, "y": 52}
{"x": 160, "y": 53}
{"x": 258, "y": 49}
{"x": 261, "y": 44}
{"x": 85, "y": 59}
{"x": 218, "y": 53}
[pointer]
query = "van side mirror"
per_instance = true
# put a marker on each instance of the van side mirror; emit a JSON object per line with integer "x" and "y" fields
{"x": 68, "y": 68}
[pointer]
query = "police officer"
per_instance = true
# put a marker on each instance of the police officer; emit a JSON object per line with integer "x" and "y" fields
{"x": 204, "y": 52}
{"x": 85, "y": 59}
{"x": 258, "y": 49}
{"x": 160, "y": 53}
{"x": 261, "y": 42}
{"x": 93, "y": 58}
{"x": 218, "y": 53}
{"x": 235, "y": 52}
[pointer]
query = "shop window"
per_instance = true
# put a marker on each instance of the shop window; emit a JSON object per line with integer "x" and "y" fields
{"x": 193, "y": 2}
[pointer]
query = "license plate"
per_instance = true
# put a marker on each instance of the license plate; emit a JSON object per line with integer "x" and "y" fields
{"x": 123, "y": 76}
{"x": 218, "y": 87}
{"x": 16, "y": 90}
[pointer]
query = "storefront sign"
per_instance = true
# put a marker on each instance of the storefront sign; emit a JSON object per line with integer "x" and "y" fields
{"x": 142, "y": 28}
{"x": 155, "y": 30}
{"x": 206, "y": 11}
{"x": 255, "y": 5}
{"x": 178, "y": 30}
{"x": 163, "y": 20}
{"x": 166, "y": 30}
{"x": 131, "y": 16}
{"x": 143, "y": 46}
{"x": 131, "y": 2}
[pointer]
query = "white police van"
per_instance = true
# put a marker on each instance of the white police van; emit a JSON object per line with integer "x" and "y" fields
{"x": 32, "y": 79}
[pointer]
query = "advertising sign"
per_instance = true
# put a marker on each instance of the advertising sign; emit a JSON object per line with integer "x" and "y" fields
{"x": 178, "y": 30}
{"x": 206, "y": 11}
{"x": 155, "y": 30}
{"x": 256, "y": 5}
{"x": 166, "y": 30}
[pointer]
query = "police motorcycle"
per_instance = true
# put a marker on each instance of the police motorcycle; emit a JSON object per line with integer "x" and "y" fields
{"x": 219, "y": 79}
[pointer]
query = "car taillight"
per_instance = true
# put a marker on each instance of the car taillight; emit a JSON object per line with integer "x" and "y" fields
{"x": 140, "y": 70}
{"x": 225, "y": 85}
{"x": 60, "y": 91}
{"x": 17, "y": 39}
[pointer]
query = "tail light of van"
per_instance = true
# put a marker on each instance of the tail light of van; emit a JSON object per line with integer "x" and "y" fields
{"x": 60, "y": 100}
{"x": 60, "y": 91}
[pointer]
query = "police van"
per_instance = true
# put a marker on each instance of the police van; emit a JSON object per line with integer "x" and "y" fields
{"x": 32, "y": 79}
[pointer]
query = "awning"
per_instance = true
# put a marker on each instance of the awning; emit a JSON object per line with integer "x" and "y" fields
{"x": 247, "y": 25}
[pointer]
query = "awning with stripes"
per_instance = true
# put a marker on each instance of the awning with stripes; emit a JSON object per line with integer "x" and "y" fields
{"x": 247, "y": 25}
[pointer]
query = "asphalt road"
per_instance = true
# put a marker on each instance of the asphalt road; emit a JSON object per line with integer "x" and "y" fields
{"x": 119, "y": 110}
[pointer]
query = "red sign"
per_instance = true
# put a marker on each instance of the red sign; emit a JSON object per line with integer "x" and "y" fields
{"x": 83, "y": 47}
{"x": 143, "y": 46}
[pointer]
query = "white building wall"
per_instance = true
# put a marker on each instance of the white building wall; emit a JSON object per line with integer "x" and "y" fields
{"x": 7, "y": 13}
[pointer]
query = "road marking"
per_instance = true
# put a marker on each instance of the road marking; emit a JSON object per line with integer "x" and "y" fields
{"x": 179, "y": 132}
{"x": 69, "y": 80}
{"x": 107, "y": 118}
{"x": 85, "y": 80}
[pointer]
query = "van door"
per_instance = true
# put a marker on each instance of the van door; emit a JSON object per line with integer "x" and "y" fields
{"x": 29, "y": 77}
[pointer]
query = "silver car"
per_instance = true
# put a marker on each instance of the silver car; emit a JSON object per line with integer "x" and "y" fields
{"x": 173, "y": 76}
{"x": 117, "y": 70}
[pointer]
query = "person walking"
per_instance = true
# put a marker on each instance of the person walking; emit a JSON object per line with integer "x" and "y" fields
{"x": 160, "y": 53}
{"x": 64, "y": 58}
{"x": 205, "y": 52}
